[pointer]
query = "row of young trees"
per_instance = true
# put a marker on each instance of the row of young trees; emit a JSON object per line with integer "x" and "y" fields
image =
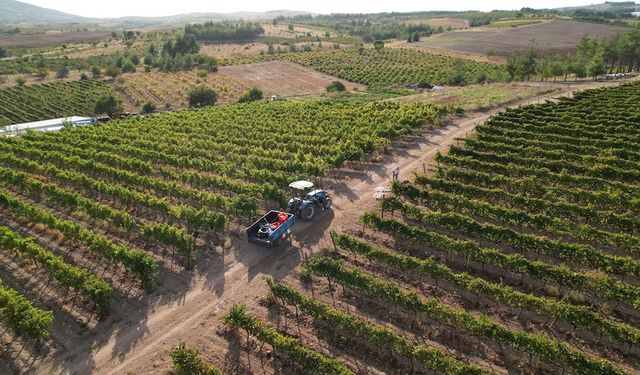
{"x": 593, "y": 58}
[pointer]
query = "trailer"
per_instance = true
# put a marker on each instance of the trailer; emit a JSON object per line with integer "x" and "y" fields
{"x": 269, "y": 229}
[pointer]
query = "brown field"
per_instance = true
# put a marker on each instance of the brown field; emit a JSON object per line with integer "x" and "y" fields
{"x": 284, "y": 78}
{"x": 447, "y": 52}
{"x": 454, "y": 23}
{"x": 282, "y": 31}
{"x": 51, "y": 39}
{"x": 10, "y": 81}
{"x": 557, "y": 36}
{"x": 238, "y": 49}
{"x": 233, "y": 49}
{"x": 164, "y": 88}
{"x": 87, "y": 50}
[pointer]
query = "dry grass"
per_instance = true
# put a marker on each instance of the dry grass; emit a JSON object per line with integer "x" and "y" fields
{"x": 284, "y": 78}
{"x": 171, "y": 89}
{"x": 454, "y": 23}
{"x": 51, "y": 39}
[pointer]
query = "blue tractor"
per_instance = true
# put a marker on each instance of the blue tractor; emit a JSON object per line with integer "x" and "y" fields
{"x": 306, "y": 201}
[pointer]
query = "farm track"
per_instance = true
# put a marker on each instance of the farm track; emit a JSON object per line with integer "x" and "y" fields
{"x": 135, "y": 339}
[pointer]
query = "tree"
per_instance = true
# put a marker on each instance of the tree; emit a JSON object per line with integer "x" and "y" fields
{"x": 112, "y": 71}
{"x": 557, "y": 69}
{"x": 127, "y": 66}
{"x": 3, "y": 52}
{"x": 21, "y": 81}
{"x": 95, "y": 71}
{"x": 251, "y": 96}
{"x": 378, "y": 45}
{"x": 596, "y": 65}
{"x": 84, "y": 76}
{"x": 63, "y": 72}
{"x": 290, "y": 27}
{"x": 108, "y": 104}
{"x": 202, "y": 95}
{"x": 335, "y": 86}
{"x": 521, "y": 63}
{"x": 42, "y": 73}
{"x": 149, "y": 107}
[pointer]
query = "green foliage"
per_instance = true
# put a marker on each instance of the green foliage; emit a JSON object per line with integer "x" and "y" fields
{"x": 201, "y": 96}
{"x": 432, "y": 268}
{"x": 62, "y": 72}
{"x": 22, "y": 316}
{"x": 309, "y": 360}
{"x": 549, "y": 350}
{"x": 138, "y": 262}
{"x": 50, "y": 100}
{"x": 112, "y": 71}
{"x": 522, "y": 63}
{"x": 347, "y": 324}
{"x": 149, "y": 107}
{"x": 335, "y": 86}
{"x": 127, "y": 66}
{"x": 183, "y": 45}
{"x": 251, "y": 95}
{"x": 108, "y": 104}
{"x": 390, "y": 66}
{"x": 187, "y": 362}
{"x": 224, "y": 31}
{"x": 67, "y": 275}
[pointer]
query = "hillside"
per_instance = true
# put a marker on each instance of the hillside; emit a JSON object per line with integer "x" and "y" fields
{"x": 16, "y": 12}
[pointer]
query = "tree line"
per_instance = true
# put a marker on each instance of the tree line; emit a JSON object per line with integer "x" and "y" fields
{"x": 592, "y": 58}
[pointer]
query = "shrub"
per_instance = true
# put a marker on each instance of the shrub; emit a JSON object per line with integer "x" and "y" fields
{"x": 251, "y": 96}
{"x": 21, "y": 81}
{"x": 108, "y": 104}
{"x": 149, "y": 107}
{"x": 112, "y": 71}
{"x": 335, "y": 86}
{"x": 95, "y": 71}
{"x": 62, "y": 72}
{"x": 202, "y": 95}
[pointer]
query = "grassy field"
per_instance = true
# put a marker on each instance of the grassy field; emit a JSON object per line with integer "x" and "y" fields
{"x": 479, "y": 97}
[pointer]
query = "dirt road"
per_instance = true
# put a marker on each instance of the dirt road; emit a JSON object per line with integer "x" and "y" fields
{"x": 136, "y": 339}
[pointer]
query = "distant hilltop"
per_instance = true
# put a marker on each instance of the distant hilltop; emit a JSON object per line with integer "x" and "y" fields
{"x": 17, "y": 13}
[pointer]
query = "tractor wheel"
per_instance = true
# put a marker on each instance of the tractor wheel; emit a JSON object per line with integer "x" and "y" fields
{"x": 308, "y": 213}
{"x": 327, "y": 203}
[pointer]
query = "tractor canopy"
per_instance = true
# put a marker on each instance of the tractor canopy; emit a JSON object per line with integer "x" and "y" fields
{"x": 301, "y": 185}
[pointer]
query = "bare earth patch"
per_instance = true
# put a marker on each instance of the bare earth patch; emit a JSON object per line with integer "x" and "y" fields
{"x": 49, "y": 39}
{"x": 556, "y": 35}
{"x": 284, "y": 78}
{"x": 164, "y": 88}
{"x": 454, "y": 23}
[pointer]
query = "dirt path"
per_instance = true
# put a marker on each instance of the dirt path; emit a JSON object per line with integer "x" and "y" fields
{"x": 139, "y": 346}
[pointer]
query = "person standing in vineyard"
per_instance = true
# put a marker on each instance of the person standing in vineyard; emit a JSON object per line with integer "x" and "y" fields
{"x": 395, "y": 173}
